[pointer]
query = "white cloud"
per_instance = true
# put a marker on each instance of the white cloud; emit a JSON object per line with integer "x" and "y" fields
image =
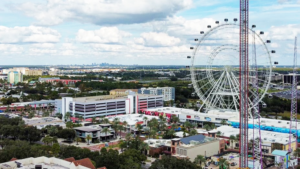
{"x": 284, "y": 32}
{"x": 11, "y": 49}
{"x": 103, "y": 35}
{"x": 102, "y": 11}
{"x": 31, "y": 34}
{"x": 157, "y": 39}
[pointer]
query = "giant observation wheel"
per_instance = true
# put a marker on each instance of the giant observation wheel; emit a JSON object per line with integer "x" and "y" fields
{"x": 215, "y": 67}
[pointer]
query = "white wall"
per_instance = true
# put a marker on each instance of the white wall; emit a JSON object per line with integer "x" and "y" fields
{"x": 65, "y": 105}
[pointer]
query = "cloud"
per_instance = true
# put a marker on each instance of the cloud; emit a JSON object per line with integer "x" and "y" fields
{"x": 284, "y": 32}
{"x": 157, "y": 39}
{"x": 103, "y": 35}
{"x": 31, "y": 34}
{"x": 107, "y": 12}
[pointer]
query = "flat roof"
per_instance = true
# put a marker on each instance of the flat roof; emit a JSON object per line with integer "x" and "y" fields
{"x": 87, "y": 129}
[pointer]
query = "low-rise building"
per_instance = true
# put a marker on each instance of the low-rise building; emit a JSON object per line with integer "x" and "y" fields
{"x": 45, "y": 162}
{"x": 95, "y": 131}
{"x": 122, "y": 91}
{"x": 33, "y": 72}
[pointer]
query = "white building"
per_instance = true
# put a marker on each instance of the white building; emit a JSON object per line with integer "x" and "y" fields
{"x": 107, "y": 105}
{"x": 167, "y": 92}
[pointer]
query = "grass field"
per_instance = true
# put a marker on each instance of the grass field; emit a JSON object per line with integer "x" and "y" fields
{"x": 285, "y": 114}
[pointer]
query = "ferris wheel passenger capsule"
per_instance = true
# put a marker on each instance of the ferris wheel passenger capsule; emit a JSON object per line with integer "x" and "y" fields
{"x": 264, "y": 105}
{"x": 217, "y": 22}
{"x": 261, "y": 32}
{"x": 201, "y": 32}
{"x": 276, "y": 63}
{"x": 208, "y": 26}
{"x": 188, "y": 57}
{"x": 196, "y": 39}
{"x": 253, "y": 26}
{"x": 268, "y": 41}
{"x": 273, "y": 51}
{"x": 226, "y": 20}
{"x": 235, "y": 19}
{"x": 191, "y": 47}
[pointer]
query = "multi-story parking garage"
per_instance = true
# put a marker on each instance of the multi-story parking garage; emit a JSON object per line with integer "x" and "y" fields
{"x": 108, "y": 105}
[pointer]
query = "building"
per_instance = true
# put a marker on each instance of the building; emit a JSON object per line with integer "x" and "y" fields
{"x": 167, "y": 92}
{"x": 18, "y": 69}
{"x": 46, "y": 79}
{"x": 40, "y": 123}
{"x": 284, "y": 159}
{"x": 190, "y": 147}
{"x": 96, "y": 106}
{"x": 14, "y": 77}
{"x": 3, "y": 76}
{"x": 45, "y": 162}
{"x": 95, "y": 132}
{"x": 34, "y": 72}
{"x": 288, "y": 78}
{"x": 122, "y": 91}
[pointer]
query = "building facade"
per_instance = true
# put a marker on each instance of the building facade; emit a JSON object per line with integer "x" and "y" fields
{"x": 122, "y": 91}
{"x": 14, "y": 77}
{"x": 97, "y": 106}
{"x": 168, "y": 93}
{"x": 34, "y": 72}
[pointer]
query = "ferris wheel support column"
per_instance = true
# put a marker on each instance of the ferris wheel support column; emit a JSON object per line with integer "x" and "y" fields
{"x": 244, "y": 22}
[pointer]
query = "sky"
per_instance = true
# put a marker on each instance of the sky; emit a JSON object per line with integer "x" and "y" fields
{"x": 144, "y": 32}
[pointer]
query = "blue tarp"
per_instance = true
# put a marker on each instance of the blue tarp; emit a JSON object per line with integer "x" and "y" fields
{"x": 268, "y": 128}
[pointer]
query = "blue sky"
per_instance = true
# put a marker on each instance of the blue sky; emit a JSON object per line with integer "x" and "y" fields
{"x": 156, "y": 32}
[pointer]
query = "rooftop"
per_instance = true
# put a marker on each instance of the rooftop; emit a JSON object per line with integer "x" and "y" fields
{"x": 132, "y": 119}
{"x": 44, "y": 162}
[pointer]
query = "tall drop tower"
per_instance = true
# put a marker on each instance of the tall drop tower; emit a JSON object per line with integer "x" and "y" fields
{"x": 244, "y": 80}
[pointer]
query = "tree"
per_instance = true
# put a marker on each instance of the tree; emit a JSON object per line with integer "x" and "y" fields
{"x": 145, "y": 120}
{"x": 200, "y": 159}
{"x": 223, "y": 122}
{"x": 223, "y": 163}
{"x": 68, "y": 115}
{"x": 125, "y": 125}
{"x": 77, "y": 139}
{"x": 69, "y": 124}
{"x": 174, "y": 163}
{"x": 105, "y": 121}
{"x": 47, "y": 140}
{"x": 193, "y": 132}
{"x": 52, "y": 130}
{"x": 88, "y": 138}
{"x": 174, "y": 119}
{"x": 94, "y": 120}
{"x": 55, "y": 149}
{"x": 144, "y": 147}
{"x": 139, "y": 127}
{"x": 105, "y": 130}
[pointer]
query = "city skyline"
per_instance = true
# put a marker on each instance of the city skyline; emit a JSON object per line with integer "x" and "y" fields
{"x": 155, "y": 32}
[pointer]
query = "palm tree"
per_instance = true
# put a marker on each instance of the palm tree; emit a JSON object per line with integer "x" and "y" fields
{"x": 144, "y": 147}
{"x": 94, "y": 120}
{"x": 77, "y": 139}
{"x": 174, "y": 119}
{"x": 223, "y": 163}
{"x": 193, "y": 132}
{"x": 232, "y": 139}
{"x": 152, "y": 133}
{"x": 88, "y": 138}
{"x": 128, "y": 136}
{"x": 199, "y": 160}
{"x": 80, "y": 118}
{"x": 47, "y": 140}
{"x": 139, "y": 127}
{"x": 68, "y": 115}
{"x": 145, "y": 120}
{"x": 120, "y": 128}
{"x": 52, "y": 130}
{"x": 207, "y": 127}
{"x": 297, "y": 152}
{"x": 125, "y": 125}
{"x": 105, "y": 121}
{"x": 223, "y": 122}
{"x": 105, "y": 130}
